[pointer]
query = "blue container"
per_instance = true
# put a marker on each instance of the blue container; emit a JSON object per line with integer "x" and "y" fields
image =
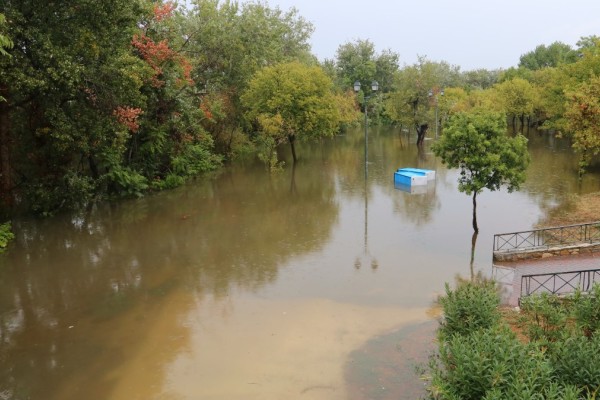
{"x": 430, "y": 174}
{"x": 408, "y": 178}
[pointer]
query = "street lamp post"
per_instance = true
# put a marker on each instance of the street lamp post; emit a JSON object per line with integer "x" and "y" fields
{"x": 435, "y": 98}
{"x": 374, "y": 88}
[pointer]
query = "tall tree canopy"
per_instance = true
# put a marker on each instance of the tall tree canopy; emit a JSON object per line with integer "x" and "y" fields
{"x": 416, "y": 90}
{"x": 583, "y": 120}
{"x": 5, "y": 42}
{"x": 476, "y": 143}
{"x": 291, "y": 101}
{"x": 67, "y": 72}
{"x": 518, "y": 97}
{"x": 548, "y": 56}
{"x": 229, "y": 42}
{"x": 98, "y": 100}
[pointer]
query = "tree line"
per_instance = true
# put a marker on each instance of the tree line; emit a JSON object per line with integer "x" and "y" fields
{"x": 118, "y": 98}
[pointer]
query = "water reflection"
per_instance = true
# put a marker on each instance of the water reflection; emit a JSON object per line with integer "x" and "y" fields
{"x": 366, "y": 258}
{"x": 240, "y": 286}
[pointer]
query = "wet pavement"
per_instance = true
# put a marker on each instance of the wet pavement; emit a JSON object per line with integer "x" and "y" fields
{"x": 509, "y": 274}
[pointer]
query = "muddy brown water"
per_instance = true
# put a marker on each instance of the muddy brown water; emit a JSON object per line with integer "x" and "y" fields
{"x": 311, "y": 283}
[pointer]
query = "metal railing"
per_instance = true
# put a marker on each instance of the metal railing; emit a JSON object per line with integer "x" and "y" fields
{"x": 559, "y": 282}
{"x": 547, "y": 237}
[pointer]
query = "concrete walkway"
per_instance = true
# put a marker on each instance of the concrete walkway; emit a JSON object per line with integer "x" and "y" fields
{"x": 508, "y": 274}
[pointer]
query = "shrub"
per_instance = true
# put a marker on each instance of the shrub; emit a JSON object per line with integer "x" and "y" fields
{"x": 126, "y": 182}
{"x": 544, "y": 317}
{"x": 587, "y": 310}
{"x": 489, "y": 362}
{"x": 577, "y": 361}
{"x": 472, "y": 306}
{"x": 5, "y": 235}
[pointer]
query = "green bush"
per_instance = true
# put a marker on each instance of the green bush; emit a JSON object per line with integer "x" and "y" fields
{"x": 576, "y": 361}
{"x": 5, "y": 235}
{"x": 544, "y": 317}
{"x": 69, "y": 191}
{"x": 194, "y": 160}
{"x": 472, "y": 306}
{"x": 171, "y": 181}
{"x": 586, "y": 310}
{"x": 481, "y": 358}
{"x": 489, "y": 362}
{"x": 126, "y": 182}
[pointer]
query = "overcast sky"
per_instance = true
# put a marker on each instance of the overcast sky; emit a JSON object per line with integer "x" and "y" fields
{"x": 472, "y": 34}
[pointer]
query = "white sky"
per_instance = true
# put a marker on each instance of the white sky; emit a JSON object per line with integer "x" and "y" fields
{"x": 472, "y": 34}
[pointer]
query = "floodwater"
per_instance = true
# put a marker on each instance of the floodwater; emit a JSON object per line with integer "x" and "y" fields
{"x": 310, "y": 283}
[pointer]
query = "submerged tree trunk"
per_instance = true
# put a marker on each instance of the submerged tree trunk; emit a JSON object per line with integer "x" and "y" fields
{"x": 421, "y": 131}
{"x": 93, "y": 167}
{"x": 475, "y": 227}
{"x": 5, "y": 166}
{"x": 292, "y": 139}
{"x": 522, "y": 121}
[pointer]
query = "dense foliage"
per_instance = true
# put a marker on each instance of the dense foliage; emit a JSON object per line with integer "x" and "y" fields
{"x": 122, "y": 97}
{"x": 556, "y": 355}
{"x": 289, "y": 102}
{"x": 99, "y": 101}
{"x": 5, "y": 235}
{"x": 476, "y": 143}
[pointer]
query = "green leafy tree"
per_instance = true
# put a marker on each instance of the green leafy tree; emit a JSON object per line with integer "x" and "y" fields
{"x": 476, "y": 143}
{"x": 291, "y": 101}
{"x": 5, "y": 179}
{"x": 410, "y": 103}
{"x": 583, "y": 120}
{"x": 543, "y": 56}
{"x": 480, "y": 78}
{"x": 518, "y": 98}
{"x": 229, "y": 41}
{"x": 5, "y": 42}
{"x": 588, "y": 43}
{"x": 356, "y": 62}
{"x": 5, "y": 235}
{"x": 165, "y": 142}
{"x": 99, "y": 99}
{"x": 68, "y": 70}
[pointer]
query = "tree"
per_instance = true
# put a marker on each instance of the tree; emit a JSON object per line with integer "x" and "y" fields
{"x": 552, "y": 56}
{"x": 5, "y": 42}
{"x": 5, "y": 178}
{"x": 476, "y": 142}
{"x": 518, "y": 98}
{"x": 409, "y": 103}
{"x": 69, "y": 68}
{"x": 583, "y": 120}
{"x": 356, "y": 62}
{"x": 229, "y": 41}
{"x": 480, "y": 78}
{"x": 291, "y": 101}
{"x": 99, "y": 99}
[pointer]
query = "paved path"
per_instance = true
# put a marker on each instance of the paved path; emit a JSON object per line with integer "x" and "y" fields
{"x": 508, "y": 274}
